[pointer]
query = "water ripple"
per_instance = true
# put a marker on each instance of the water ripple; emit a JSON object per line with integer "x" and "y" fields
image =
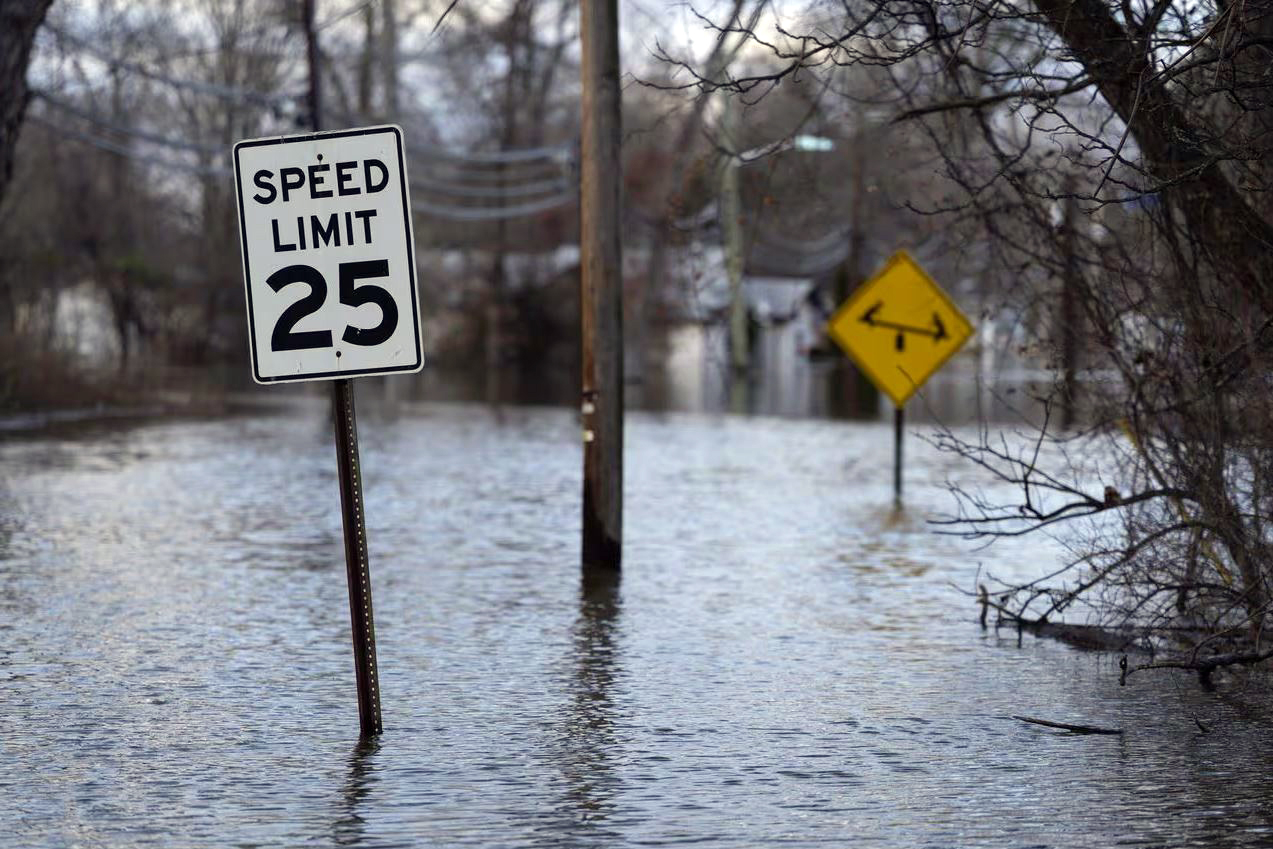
{"x": 784, "y": 663}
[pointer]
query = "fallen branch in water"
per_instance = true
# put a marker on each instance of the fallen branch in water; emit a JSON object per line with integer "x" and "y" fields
{"x": 1126, "y": 639}
{"x": 1065, "y": 726}
{"x": 1091, "y": 637}
{"x": 1204, "y": 666}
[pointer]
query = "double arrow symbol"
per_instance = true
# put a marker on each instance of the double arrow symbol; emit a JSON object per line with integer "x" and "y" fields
{"x": 937, "y": 331}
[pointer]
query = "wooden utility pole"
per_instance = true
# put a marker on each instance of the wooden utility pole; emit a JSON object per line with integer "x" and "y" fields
{"x": 601, "y": 289}
{"x": 349, "y": 472}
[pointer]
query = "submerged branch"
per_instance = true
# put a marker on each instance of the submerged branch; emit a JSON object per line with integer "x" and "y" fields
{"x": 1065, "y": 726}
{"x": 1204, "y": 666}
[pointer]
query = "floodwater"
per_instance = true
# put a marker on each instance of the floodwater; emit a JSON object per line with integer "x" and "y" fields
{"x": 786, "y": 662}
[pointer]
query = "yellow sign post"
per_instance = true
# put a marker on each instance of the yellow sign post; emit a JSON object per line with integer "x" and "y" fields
{"x": 900, "y": 328}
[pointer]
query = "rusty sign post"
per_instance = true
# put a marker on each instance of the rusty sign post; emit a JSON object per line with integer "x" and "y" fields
{"x": 357, "y": 569}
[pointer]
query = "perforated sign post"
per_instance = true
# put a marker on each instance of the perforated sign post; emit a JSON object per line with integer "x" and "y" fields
{"x": 900, "y": 327}
{"x": 329, "y": 268}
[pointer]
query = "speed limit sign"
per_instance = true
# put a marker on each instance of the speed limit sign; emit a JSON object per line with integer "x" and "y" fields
{"x": 328, "y": 255}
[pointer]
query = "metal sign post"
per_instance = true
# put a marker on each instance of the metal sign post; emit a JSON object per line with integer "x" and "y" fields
{"x": 317, "y": 213}
{"x": 357, "y": 569}
{"x": 900, "y": 327}
{"x": 899, "y": 420}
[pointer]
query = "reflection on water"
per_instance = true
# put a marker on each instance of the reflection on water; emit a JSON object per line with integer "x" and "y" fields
{"x": 589, "y": 741}
{"x": 349, "y": 828}
{"x": 694, "y": 375}
{"x": 787, "y": 660}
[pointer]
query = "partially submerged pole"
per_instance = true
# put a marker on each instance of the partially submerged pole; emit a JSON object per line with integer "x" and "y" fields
{"x": 601, "y": 287}
{"x": 899, "y": 421}
{"x": 357, "y": 567}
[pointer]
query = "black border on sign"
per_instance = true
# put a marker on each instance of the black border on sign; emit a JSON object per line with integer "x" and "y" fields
{"x": 411, "y": 270}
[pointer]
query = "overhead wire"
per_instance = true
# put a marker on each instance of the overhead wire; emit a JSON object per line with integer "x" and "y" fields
{"x": 459, "y": 213}
{"x": 84, "y": 115}
{"x": 508, "y": 189}
{"x": 242, "y": 95}
{"x": 525, "y": 154}
{"x": 555, "y": 163}
{"x": 540, "y": 154}
{"x": 424, "y": 207}
{"x": 512, "y": 190}
{"x": 445, "y": 172}
{"x": 561, "y": 189}
{"x": 125, "y": 150}
{"x": 564, "y": 196}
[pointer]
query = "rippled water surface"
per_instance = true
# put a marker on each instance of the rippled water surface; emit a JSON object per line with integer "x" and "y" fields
{"x": 785, "y": 662}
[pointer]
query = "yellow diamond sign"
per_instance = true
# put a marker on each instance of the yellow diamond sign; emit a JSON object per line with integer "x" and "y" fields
{"x": 899, "y": 327}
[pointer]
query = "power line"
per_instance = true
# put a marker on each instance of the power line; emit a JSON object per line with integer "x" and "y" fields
{"x": 225, "y": 92}
{"x": 541, "y": 155}
{"x": 446, "y": 172}
{"x": 515, "y": 156}
{"x": 124, "y": 150}
{"x": 560, "y": 153}
{"x": 563, "y": 187}
{"x": 454, "y": 213}
{"x": 493, "y": 213}
{"x": 523, "y": 190}
{"x": 84, "y": 115}
{"x": 453, "y": 166}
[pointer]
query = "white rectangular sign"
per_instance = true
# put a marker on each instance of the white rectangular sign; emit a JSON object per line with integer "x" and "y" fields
{"x": 328, "y": 255}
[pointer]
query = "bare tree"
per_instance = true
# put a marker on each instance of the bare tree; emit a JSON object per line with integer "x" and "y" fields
{"x": 1115, "y": 158}
{"x": 19, "y": 21}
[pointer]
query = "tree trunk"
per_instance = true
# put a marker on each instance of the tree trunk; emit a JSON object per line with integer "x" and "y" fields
{"x": 389, "y": 58}
{"x": 1232, "y": 236}
{"x": 365, "y": 59}
{"x": 19, "y": 20}
{"x": 731, "y": 224}
{"x": 670, "y": 206}
{"x": 1068, "y": 318}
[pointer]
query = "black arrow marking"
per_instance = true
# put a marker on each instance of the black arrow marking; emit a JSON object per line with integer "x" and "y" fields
{"x": 937, "y": 331}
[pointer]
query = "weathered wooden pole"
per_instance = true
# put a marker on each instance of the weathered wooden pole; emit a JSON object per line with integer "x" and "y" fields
{"x": 349, "y": 472}
{"x": 601, "y": 287}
